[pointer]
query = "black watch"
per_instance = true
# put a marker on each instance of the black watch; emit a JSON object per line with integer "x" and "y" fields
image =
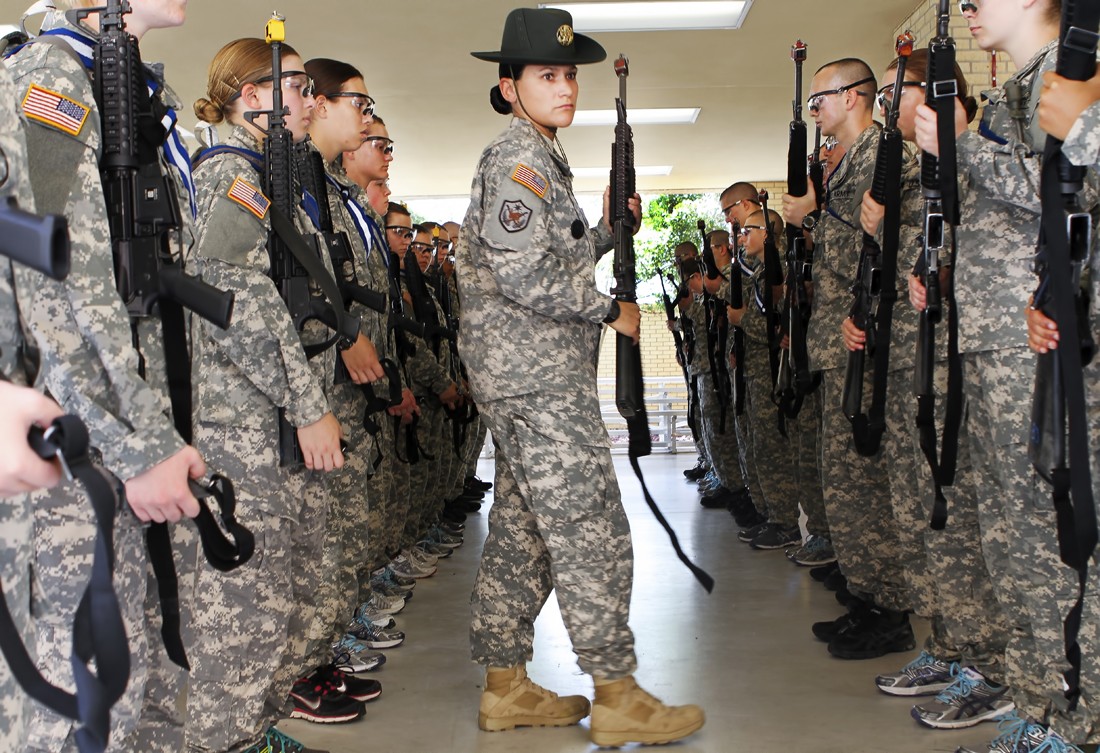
{"x": 613, "y": 314}
{"x": 809, "y": 222}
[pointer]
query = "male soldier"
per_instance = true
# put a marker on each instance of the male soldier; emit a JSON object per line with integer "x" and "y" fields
{"x": 855, "y": 487}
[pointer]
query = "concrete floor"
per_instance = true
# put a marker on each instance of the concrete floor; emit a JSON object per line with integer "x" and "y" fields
{"x": 745, "y": 652}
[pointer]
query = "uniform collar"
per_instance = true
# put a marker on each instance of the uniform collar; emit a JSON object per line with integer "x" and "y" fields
{"x": 552, "y": 147}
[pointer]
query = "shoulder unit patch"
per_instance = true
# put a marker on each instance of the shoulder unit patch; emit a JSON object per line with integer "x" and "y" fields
{"x": 531, "y": 178}
{"x": 249, "y": 197}
{"x": 55, "y": 110}
{"x": 514, "y": 216}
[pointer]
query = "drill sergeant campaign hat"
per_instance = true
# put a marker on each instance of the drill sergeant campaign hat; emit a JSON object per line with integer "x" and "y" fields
{"x": 545, "y": 36}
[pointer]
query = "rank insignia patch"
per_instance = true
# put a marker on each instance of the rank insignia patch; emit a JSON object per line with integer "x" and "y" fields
{"x": 531, "y": 178}
{"x": 514, "y": 216}
{"x": 54, "y": 110}
{"x": 249, "y": 197}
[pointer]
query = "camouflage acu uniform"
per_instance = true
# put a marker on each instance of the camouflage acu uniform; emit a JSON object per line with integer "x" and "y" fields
{"x": 1082, "y": 147}
{"x": 999, "y": 225}
{"x": 530, "y": 336}
{"x": 771, "y": 451}
{"x": 242, "y": 625}
{"x": 16, "y": 523}
{"x": 855, "y": 488}
{"x": 90, "y": 365}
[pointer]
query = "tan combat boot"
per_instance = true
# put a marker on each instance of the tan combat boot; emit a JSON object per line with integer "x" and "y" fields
{"x": 624, "y": 713}
{"x": 512, "y": 700}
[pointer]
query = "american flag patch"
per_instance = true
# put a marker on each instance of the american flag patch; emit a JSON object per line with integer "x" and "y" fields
{"x": 54, "y": 109}
{"x": 249, "y": 197}
{"x": 531, "y": 178}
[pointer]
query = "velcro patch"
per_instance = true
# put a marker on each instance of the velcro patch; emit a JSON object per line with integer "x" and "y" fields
{"x": 514, "y": 216}
{"x": 55, "y": 110}
{"x": 530, "y": 178}
{"x": 249, "y": 197}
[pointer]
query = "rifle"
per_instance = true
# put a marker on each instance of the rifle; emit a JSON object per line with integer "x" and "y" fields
{"x": 629, "y": 387}
{"x": 295, "y": 266}
{"x": 773, "y": 277}
{"x": 793, "y": 379}
{"x": 737, "y": 301}
{"x": 38, "y": 242}
{"x": 941, "y": 210}
{"x": 717, "y": 330}
{"x": 1059, "y": 441}
{"x": 876, "y": 279}
{"x": 681, "y": 356}
{"x": 423, "y": 306}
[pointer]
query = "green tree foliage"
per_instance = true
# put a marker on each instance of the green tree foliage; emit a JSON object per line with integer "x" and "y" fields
{"x": 667, "y": 221}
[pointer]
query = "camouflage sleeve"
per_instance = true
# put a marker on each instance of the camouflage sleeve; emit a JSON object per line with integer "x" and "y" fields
{"x": 81, "y": 326}
{"x": 1082, "y": 144}
{"x": 603, "y": 238}
{"x": 261, "y": 340}
{"x": 14, "y": 184}
{"x": 1007, "y": 173}
{"x": 521, "y": 227}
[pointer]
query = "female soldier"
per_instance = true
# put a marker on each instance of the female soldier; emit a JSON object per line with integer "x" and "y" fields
{"x": 249, "y": 629}
{"x": 532, "y": 325}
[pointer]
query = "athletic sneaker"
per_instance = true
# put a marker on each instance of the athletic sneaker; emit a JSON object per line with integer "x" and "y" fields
{"x": 439, "y": 537}
{"x": 377, "y": 619}
{"x": 380, "y": 604}
{"x": 746, "y": 535}
{"x": 697, "y": 472}
{"x": 276, "y": 741}
{"x": 1022, "y": 736}
{"x": 814, "y": 552}
{"x": 405, "y": 567}
{"x": 318, "y": 701}
{"x": 475, "y": 484}
{"x": 375, "y": 637}
{"x": 886, "y": 632}
{"x": 969, "y": 700}
{"x": 386, "y": 577}
{"x": 355, "y": 688}
{"x": 421, "y": 556}
{"x": 925, "y": 675}
{"x": 775, "y": 536}
{"x": 352, "y": 657}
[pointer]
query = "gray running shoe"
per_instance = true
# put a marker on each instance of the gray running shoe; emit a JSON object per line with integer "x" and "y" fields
{"x": 969, "y": 700}
{"x": 925, "y": 675}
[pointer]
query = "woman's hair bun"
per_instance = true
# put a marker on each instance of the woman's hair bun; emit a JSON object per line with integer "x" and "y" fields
{"x": 209, "y": 112}
{"x": 499, "y": 103}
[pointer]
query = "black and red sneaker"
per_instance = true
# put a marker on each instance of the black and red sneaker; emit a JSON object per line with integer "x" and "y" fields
{"x": 318, "y": 701}
{"x": 355, "y": 688}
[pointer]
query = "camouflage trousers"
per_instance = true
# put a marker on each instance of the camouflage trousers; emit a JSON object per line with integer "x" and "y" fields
{"x": 425, "y": 481}
{"x": 723, "y": 449}
{"x": 950, "y": 584}
{"x": 743, "y": 436}
{"x": 64, "y": 540}
{"x": 856, "y": 491}
{"x": 1083, "y": 725}
{"x": 348, "y": 532}
{"x": 16, "y": 535}
{"x": 380, "y": 512}
{"x": 810, "y": 494}
{"x": 771, "y": 452}
{"x": 239, "y": 636}
{"x": 557, "y": 523}
{"x": 405, "y": 504}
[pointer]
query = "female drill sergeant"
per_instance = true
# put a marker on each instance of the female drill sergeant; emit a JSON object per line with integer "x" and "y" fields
{"x": 532, "y": 325}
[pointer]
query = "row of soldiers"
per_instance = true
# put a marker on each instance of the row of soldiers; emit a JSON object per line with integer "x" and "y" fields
{"x": 993, "y": 583}
{"x": 346, "y": 432}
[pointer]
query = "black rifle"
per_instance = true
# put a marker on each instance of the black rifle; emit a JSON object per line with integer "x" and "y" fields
{"x": 678, "y": 339}
{"x": 629, "y": 386}
{"x": 462, "y": 416}
{"x": 939, "y": 187}
{"x": 877, "y": 279}
{"x": 38, "y": 242}
{"x": 737, "y": 301}
{"x": 773, "y": 278}
{"x": 1059, "y": 442}
{"x": 295, "y": 266}
{"x": 717, "y": 325}
{"x": 793, "y": 379}
{"x": 423, "y": 306}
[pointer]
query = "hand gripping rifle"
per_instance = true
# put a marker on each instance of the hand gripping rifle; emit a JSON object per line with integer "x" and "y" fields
{"x": 877, "y": 279}
{"x": 295, "y": 266}
{"x": 144, "y": 214}
{"x": 939, "y": 186}
{"x": 717, "y": 330}
{"x": 794, "y": 381}
{"x": 629, "y": 388}
{"x": 1058, "y": 447}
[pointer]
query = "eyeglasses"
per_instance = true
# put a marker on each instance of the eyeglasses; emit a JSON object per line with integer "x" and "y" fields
{"x": 421, "y": 248}
{"x": 969, "y": 5}
{"x": 726, "y": 209}
{"x": 359, "y": 101}
{"x": 440, "y": 243}
{"x": 298, "y": 81}
{"x": 400, "y": 230}
{"x": 745, "y": 229}
{"x": 385, "y": 145}
{"x": 813, "y": 102}
{"x": 885, "y": 97}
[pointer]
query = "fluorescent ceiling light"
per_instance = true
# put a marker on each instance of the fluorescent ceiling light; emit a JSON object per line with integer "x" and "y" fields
{"x": 640, "y": 116}
{"x": 656, "y": 16}
{"x": 604, "y": 172}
